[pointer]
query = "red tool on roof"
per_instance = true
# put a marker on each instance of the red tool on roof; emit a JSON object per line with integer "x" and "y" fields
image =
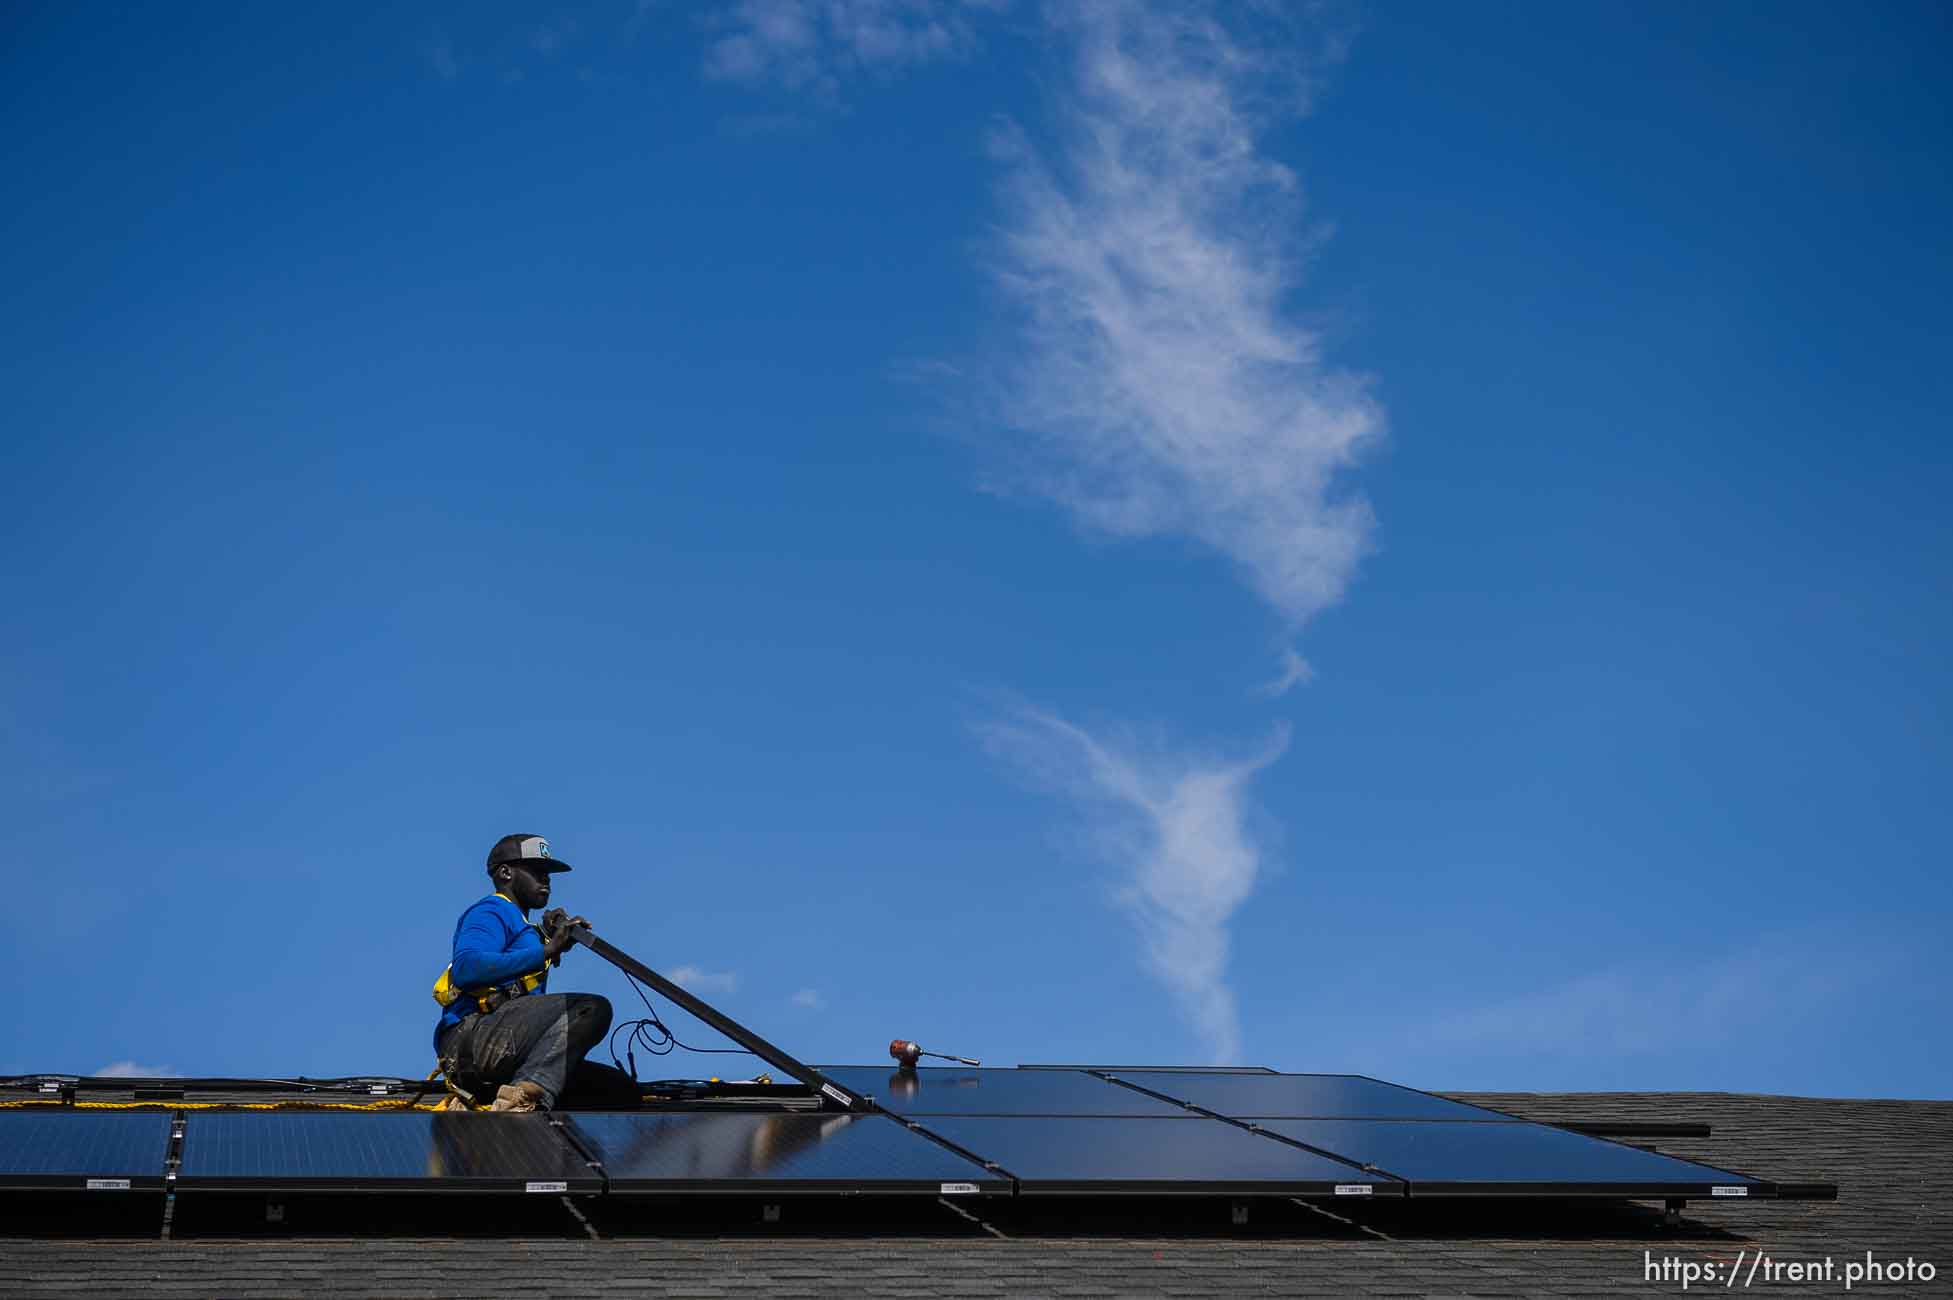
{"x": 906, "y": 1051}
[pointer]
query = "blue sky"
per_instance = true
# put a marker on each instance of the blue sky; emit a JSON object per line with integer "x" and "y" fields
{"x": 1407, "y": 539}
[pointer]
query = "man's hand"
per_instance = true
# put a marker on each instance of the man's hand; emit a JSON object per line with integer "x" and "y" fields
{"x": 556, "y": 928}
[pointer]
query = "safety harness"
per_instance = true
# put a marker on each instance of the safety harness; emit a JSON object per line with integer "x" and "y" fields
{"x": 487, "y": 999}
{"x": 464, "y": 1088}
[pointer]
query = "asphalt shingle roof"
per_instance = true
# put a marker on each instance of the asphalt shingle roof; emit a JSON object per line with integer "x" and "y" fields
{"x": 1892, "y": 1161}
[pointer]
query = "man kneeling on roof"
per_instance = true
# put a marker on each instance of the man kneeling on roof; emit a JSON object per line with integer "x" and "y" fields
{"x": 499, "y": 1025}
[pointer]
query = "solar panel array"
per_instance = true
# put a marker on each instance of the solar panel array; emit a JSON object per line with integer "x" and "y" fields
{"x": 1434, "y": 1145}
{"x": 939, "y": 1131}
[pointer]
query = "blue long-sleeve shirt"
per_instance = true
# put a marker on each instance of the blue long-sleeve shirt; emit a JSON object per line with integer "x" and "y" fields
{"x": 494, "y": 943}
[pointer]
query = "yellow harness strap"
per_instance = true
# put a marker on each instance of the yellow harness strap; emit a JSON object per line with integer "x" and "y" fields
{"x": 446, "y": 991}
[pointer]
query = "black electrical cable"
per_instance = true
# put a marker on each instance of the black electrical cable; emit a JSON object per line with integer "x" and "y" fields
{"x": 654, "y": 1036}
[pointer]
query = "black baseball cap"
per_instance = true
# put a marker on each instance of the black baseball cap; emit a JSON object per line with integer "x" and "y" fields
{"x": 531, "y": 851}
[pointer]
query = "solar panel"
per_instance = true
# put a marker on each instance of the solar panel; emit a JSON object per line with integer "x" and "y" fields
{"x": 706, "y": 1152}
{"x": 84, "y": 1150}
{"x": 390, "y": 1151}
{"x": 1443, "y": 1158}
{"x": 1177, "y": 1155}
{"x": 1143, "y": 1069}
{"x": 933, "y": 1090}
{"x": 1301, "y": 1096}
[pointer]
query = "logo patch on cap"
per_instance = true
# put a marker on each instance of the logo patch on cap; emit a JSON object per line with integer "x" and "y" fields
{"x": 542, "y": 848}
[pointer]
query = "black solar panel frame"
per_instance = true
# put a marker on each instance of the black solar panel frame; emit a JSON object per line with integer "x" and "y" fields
{"x": 1494, "y": 1116}
{"x": 1695, "y": 1190}
{"x": 589, "y": 1181}
{"x": 1754, "y": 1187}
{"x": 104, "y": 1181}
{"x": 1030, "y": 1185}
{"x": 1402, "y": 1184}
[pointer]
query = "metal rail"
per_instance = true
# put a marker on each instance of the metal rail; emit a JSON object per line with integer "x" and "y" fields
{"x": 826, "y": 1088}
{"x": 1623, "y": 1129}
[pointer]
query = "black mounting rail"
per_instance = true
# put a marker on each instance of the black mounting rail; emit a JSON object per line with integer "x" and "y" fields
{"x": 830, "y": 1092}
{"x": 1623, "y": 1129}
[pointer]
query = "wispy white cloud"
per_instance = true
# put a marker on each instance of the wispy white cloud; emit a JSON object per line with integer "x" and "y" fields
{"x": 813, "y": 44}
{"x": 131, "y": 1070}
{"x": 1175, "y": 823}
{"x": 1295, "y": 671}
{"x": 810, "y": 999}
{"x": 1164, "y": 388}
{"x": 1623, "y": 1010}
{"x": 696, "y": 980}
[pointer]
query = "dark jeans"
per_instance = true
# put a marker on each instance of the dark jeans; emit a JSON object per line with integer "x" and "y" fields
{"x": 542, "y": 1038}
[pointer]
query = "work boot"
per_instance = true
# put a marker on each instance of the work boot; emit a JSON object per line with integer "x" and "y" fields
{"x": 518, "y": 1098}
